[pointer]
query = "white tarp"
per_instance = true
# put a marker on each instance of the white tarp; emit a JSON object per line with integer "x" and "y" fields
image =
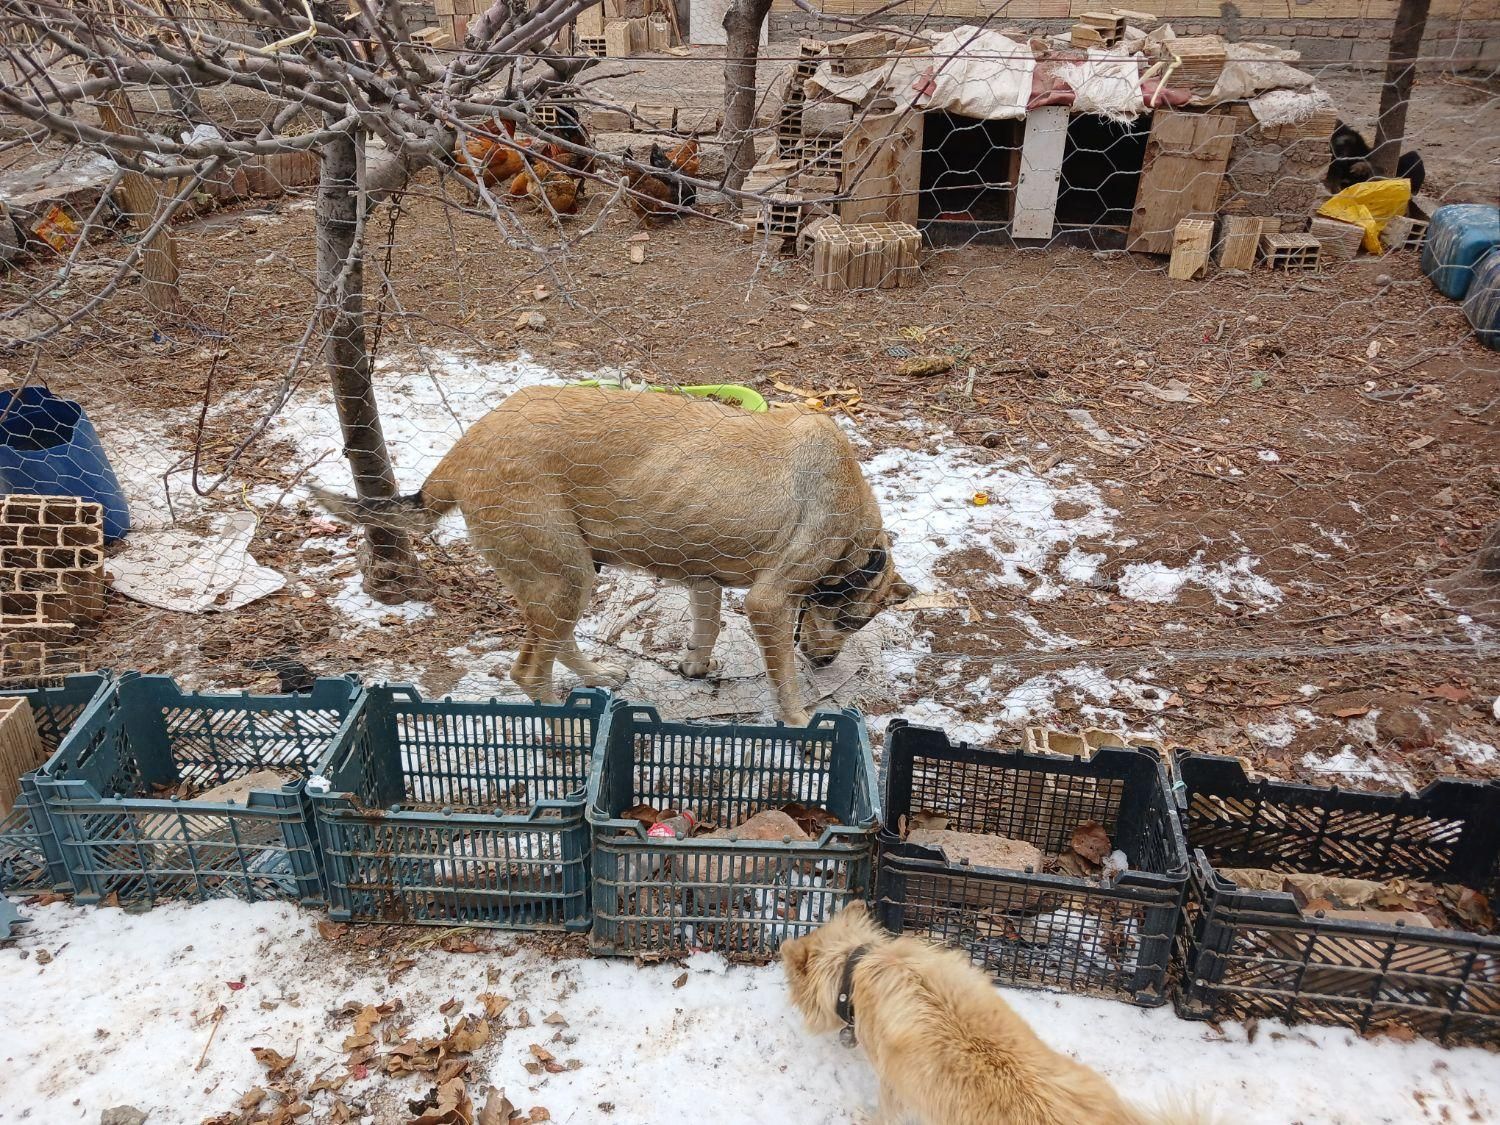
{"x": 190, "y": 572}
{"x": 1290, "y": 107}
{"x": 970, "y": 72}
{"x": 1108, "y": 82}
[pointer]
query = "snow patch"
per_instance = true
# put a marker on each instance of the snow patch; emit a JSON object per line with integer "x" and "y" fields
{"x": 1229, "y": 582}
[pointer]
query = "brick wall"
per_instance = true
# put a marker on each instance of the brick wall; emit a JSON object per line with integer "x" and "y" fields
{"x": 1450, "y": 45}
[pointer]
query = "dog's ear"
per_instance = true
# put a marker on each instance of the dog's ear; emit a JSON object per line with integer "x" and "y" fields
{"x": 794, "y": 956}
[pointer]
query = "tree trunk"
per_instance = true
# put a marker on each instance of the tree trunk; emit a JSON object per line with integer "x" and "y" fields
{"x": 1476, "y": 588}
{"x": 1395, "y": 95}
{"x": 390, "y": 567}
{"x": 141, "y": 201}
{"x": 742, "y": 23}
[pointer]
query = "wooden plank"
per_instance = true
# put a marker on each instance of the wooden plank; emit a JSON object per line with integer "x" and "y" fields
{"x": 21, "y": 748}
{"x": 1191, "y": 243}
{"x": 883, "y": 169}
{"x": 1041, "y": 169}
{"x": 1240, "y": 241}
{"x": 1186, "y": 156}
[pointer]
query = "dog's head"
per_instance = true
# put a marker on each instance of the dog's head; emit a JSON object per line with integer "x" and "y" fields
{"x": 840, "y": 605}
{"x": 814, "y": 964}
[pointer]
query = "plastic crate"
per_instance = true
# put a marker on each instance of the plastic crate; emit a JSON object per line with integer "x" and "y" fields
{"x": 29, "y": 857}
{"x": 1253, "y": 953}
{"x": 1029, "y": 928}
{"x": 120, "y": 837}
{"x": 1458, "y": 235}
{"x": 414, "y": 827}
{"x": 655, "y": 896}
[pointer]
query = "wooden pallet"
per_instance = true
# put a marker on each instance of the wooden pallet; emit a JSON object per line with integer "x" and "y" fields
{"x": 1291, "y": 252}
{"x": 866, "y": 256}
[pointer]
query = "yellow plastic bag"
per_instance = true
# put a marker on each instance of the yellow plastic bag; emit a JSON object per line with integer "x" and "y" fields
{"x": 1371, "y": 204}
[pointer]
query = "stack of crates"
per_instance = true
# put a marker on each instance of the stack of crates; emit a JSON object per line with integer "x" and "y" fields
{"x": 119, "y": 794}
{"x": 460, "y": 813}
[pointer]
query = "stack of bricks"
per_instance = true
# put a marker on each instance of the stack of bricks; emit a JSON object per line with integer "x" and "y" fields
{"x": 789, "y": 119}
{"x": 866, "y": 256}
{"x": 453, "y": 18}
{"x": 51, "y": 581}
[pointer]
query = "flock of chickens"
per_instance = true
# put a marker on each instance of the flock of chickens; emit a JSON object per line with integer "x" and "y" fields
{"x": 551, "y": 176}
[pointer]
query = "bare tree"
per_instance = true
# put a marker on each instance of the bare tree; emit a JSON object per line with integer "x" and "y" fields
{"x": 1400, "y": 74}
{"x": 742, "y": 23}
{"x": 381, "y": 108}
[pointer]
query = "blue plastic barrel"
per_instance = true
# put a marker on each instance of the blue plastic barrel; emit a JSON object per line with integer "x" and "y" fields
{"x": 49, "y": 447}
{"x": 1457, "y": 237}
{"x": 1482, "y": 305}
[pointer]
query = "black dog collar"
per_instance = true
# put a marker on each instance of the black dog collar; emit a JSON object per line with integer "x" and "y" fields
{"x": 844, "y": 1008}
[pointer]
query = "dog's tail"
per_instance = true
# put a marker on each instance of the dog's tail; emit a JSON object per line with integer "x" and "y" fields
{"x": 414, "y": 514}
{"x": 1178, "y": 1109}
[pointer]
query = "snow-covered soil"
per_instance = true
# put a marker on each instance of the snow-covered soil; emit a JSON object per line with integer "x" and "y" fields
{"x": 104, "y": 1008}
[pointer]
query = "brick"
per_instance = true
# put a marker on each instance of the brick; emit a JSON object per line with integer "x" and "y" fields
{"x": 51, "y": 561}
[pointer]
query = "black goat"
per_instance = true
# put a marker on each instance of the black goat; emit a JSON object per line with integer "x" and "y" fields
{"x": 1351, "y": 162}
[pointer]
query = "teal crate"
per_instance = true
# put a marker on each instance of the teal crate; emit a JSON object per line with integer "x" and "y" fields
{"x": 655, "y": 896}
{"x": 460, "y": 813}
{"x": 123, "y": 837}
{"x": 29, "y": 859}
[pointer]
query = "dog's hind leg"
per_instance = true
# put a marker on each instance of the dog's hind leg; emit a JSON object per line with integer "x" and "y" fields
{"x": 706, "y": 599}
{"x": 772, "y": 615}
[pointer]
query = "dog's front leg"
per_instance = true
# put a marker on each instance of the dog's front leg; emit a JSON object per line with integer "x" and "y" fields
{"x": 705, "y": 597}
{"x": 772, "y": 615}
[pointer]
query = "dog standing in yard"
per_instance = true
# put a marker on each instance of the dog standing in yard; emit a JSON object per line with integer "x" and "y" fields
{"x": 557, "y": 482}
{"x": 946, "y": 1048}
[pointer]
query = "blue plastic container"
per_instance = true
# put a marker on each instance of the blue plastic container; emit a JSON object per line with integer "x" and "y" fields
{"x": 49, "y": 447}
{"x": 1482, "y": 305}
{"x": 1458, "y": 236}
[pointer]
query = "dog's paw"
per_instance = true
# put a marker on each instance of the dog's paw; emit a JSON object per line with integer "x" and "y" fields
{"x": 608, "y": 675}
{"x": 698, "y": 668}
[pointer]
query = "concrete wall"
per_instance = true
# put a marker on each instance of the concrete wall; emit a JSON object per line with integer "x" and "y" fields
{"x": 1450, "y": 45}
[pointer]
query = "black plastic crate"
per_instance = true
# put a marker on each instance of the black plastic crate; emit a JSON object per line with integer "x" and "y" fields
{"x": 29, "y": 857}
{"x": 119, "y": 835}
{"x": 655, "y": 896}
{"x": 1254, "y": 953}
{"x": 460, "y": 813}
{"x": 1030, "y": 928}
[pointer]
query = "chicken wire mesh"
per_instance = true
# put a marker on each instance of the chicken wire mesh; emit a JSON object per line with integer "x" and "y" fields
{"x": 1242, "y": 509}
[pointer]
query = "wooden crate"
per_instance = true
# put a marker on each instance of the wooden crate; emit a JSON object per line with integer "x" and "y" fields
{"x": 21, "y": 749}
{"x": 1291, "y": 252}
{"x": 1239, "y": 241}
{"x": 1192, "y": 240}
{"x": 866, "y": 256}
{"x": 1340, "y": 240}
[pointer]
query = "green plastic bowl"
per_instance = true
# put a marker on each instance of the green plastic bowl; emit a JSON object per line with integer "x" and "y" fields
{"x": 733, "y": 393}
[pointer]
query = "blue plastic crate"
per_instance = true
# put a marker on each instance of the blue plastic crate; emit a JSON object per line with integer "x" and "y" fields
{"x": 742, "y": 898}
{"x": 1482, "y": 305}
{"x": 1457, "y": 237}
{"x": 121, "y": 833}
{"x": 29, "y": 858}
{"x": 448, "y": 812}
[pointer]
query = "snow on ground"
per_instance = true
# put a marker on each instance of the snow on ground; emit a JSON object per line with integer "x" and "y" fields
{"x": 122, "y": 1009}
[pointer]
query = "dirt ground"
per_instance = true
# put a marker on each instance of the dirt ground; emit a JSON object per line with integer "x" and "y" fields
{"x": 1331, "y": 435}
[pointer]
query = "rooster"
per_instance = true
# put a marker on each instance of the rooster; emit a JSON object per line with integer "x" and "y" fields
{"x": 661, "y": 196}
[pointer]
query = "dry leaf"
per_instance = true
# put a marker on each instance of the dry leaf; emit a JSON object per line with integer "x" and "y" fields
{"x": 539, "y": 1113}
{"x": 1091, "y": 841}
{"x": 921, "y": 819}
{"x": 332, "y": 930}
{"x": 470, "y": 1034}
{"x": 452, "y": 1006}
{"x": 253, "y": 1097}
{"x": 458, "y": 943}
{"x": 275, "y": 1064}
{"x": 332, "y": 1085}
{"x": 680, "y": 981}
{"x": 1451, "y": 692}
{"x": 1349, "y": 712}
{"x": 541, "y": 1053}
{"x": 497, "y": 1110}
{"x": 448, "y": 1105}
{"x": 643, "y": 813}
{"x": 494, "y": 1006}
{"x": 556, "y": 1020}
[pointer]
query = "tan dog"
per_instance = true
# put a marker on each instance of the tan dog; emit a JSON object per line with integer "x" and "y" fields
{"x": 556, "y": 482}
{"x": 946, "y": 1048}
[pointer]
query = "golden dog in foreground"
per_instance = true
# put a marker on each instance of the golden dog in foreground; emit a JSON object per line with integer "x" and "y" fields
{"x": 946, "y": 1048}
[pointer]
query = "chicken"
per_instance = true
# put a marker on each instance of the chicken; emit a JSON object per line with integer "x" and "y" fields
{"x": 497, "y": 162}
{"x": 557, "y": 190}
{"x": 660, "y": 196}
{"x": 684, "y": 158}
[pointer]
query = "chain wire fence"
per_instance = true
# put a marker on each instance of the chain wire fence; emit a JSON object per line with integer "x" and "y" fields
{"x": 1151, "y": 446}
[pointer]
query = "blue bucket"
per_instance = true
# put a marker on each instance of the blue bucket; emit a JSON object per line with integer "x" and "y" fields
{"x": 49, "y": 447}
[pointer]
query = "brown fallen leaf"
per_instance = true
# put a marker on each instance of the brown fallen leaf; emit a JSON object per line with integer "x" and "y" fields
{"x": 680, "y": 981}
{"x": 449, "y": 1105}
{"x": 541, "y": 1054}
{"x": 332, "y": 931}
{"x": 253, "y": 1097}
{"x": 451, "y": 1007}
{"x": 494, "y": 1006}
{"x": 458, "y": 943}
{"x": 556, "y": 1019}
{"x": 1349, "y": 712}
{"x": 643, "y": 813}
{"x": 451, "y": 1069}
{"x": 1451, "y": 692}
{"x": 468, "y": 1035}
{"x": 276, "y": 1064}
{"x": 539, "y": 1113}
{"x": 332, "y": 1085}
{"x": 1091, "y": 841}
{"x": 286, "y": 1114}
{"x": 497, "y": 1110}
{"x": 812, "y": 819}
